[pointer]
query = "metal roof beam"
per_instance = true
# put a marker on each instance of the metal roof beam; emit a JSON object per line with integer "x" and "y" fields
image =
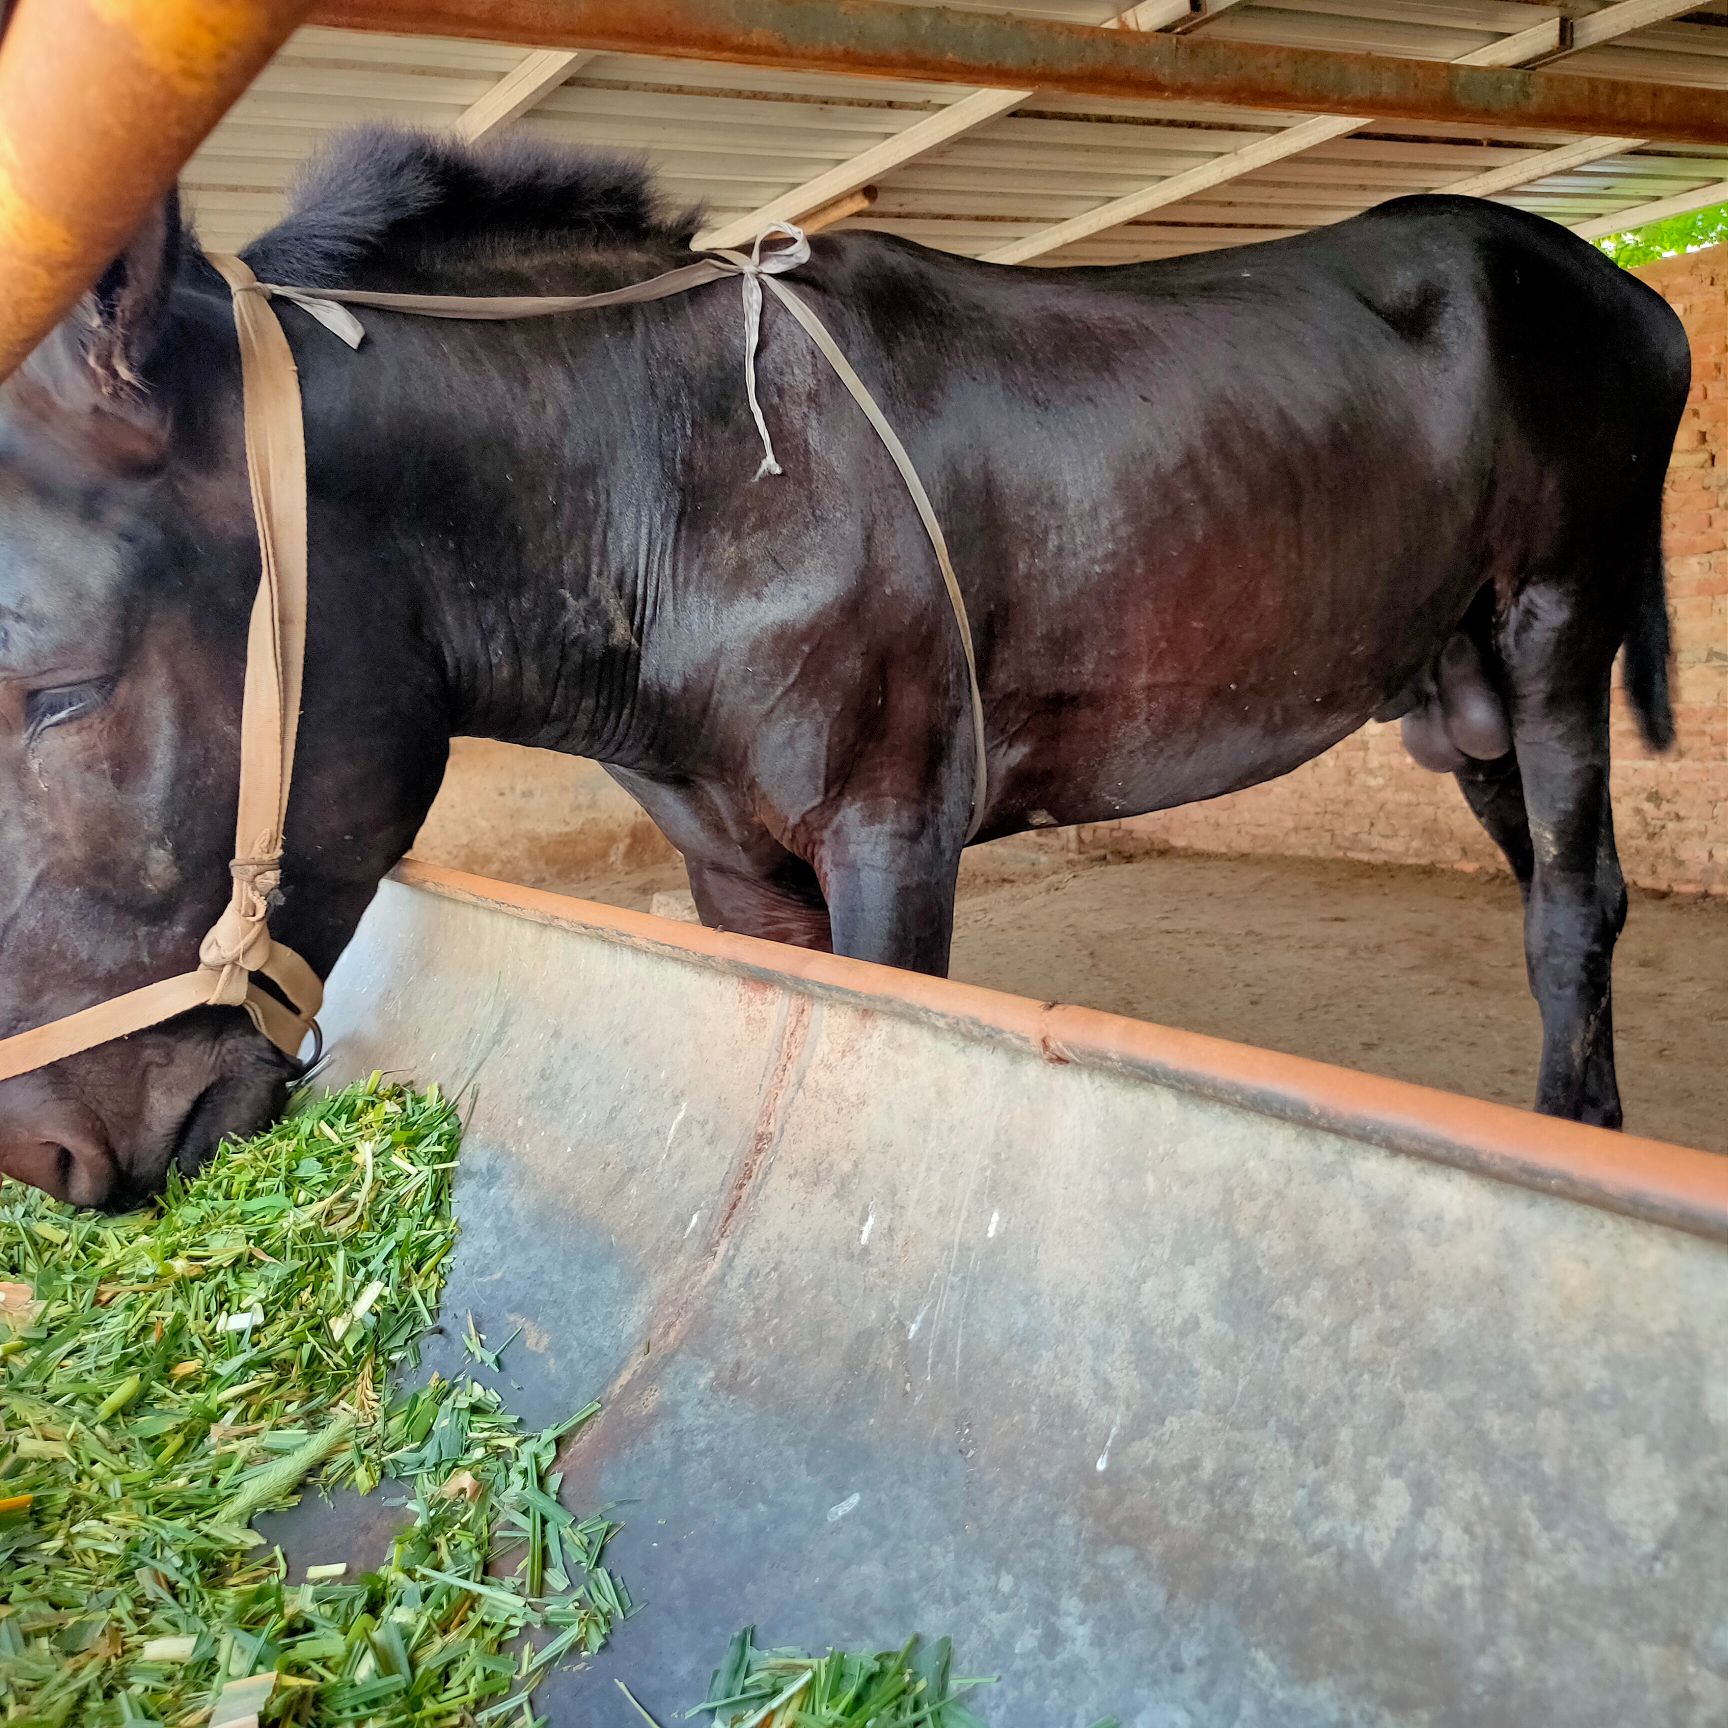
{"x": 100, "y": 106}
{"x": 986, "y": 50}
{"x": 1545, "y": 41}
{"x": 933, "y": 131}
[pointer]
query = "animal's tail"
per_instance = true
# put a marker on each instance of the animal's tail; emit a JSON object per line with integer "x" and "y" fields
{"x": 1648, "y": 650}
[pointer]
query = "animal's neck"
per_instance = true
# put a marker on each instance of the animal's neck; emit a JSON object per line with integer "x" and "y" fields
{"x": 548, "y": 655}
{"x": 515, "y": 478}
{"x": 509, "y": 485}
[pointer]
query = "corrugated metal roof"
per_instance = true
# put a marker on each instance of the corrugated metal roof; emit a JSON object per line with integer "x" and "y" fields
{"x": 735, "y": 137}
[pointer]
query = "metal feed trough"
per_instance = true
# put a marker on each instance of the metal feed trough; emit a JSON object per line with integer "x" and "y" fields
{"x": 1182, "y": 1382}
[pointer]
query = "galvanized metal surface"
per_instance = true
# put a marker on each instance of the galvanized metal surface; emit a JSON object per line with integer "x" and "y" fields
{"x": 914, "y": 1305}
{"x": 880, "y": 39}
{"x": 101, "y": 102}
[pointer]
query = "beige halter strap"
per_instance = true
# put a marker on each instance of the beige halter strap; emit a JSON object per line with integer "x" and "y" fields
{"x": 239, "y": 947}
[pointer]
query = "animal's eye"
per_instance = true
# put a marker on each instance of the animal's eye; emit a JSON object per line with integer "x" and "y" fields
{"x": 45, "y": 708}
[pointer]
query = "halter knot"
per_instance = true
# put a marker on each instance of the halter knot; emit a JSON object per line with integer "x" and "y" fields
{"x": 239, "y": 941}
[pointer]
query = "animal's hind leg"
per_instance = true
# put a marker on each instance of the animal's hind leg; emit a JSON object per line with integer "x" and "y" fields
{"x": 1495, "y": 792}
{"x": 1601, "y": 1083}
{"x": 1557, "y": 659}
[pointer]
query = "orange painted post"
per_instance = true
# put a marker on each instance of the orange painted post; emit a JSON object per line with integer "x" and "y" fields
{"x": 101, "y": 103}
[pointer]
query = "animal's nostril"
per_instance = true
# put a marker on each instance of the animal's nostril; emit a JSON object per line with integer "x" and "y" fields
{"x": 57, "y": 1146}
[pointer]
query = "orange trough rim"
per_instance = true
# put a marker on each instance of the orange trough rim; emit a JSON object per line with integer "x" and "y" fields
{"x": 1675, "y": 1186}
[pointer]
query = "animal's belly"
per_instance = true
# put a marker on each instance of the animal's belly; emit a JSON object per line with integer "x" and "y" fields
{"x": 1193, "y": 707}
{"x": 1092, "y": 769}
{"x": 1202, "y": 622}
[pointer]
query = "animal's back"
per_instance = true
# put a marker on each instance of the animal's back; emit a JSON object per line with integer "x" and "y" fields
{"x": 1282, "y": 472}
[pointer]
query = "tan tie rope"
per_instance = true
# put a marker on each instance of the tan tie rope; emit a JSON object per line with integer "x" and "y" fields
{"x": 832, "y": 353}
{"x": 239, "y": 947}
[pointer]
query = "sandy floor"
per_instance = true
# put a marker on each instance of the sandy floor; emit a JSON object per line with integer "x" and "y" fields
{"x": 1413, "y": 973}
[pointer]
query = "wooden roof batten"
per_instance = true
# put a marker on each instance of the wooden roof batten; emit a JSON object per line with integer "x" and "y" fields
{"x": 1715, "y": 193}
{"x": 1006, "y": 171}
{"x": 519, "y": 89}
{"x": 935, "y": 130}
{"x": 1541, "y": 44}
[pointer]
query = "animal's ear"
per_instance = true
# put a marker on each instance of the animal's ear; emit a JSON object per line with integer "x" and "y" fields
{"x": 85, "y": 383}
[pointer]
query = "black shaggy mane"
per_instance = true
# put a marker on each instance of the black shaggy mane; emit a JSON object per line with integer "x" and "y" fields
{"x": 422, "y": 201}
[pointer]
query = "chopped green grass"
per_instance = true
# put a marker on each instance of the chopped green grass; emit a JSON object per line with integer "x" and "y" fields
{"x": 914, "y": 1687}
{"x": 167, "y": 1376}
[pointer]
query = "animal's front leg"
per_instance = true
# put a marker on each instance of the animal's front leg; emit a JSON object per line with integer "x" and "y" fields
{"x": 785, "y": 907}
{"x": 890, "y": 896}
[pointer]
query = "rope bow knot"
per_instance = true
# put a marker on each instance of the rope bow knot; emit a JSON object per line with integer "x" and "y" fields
{"x": 752, "y": 267}
{"x": 239, "y": 941}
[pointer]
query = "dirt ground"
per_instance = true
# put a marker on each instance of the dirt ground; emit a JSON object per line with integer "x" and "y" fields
{"x": 1413, "y": 973}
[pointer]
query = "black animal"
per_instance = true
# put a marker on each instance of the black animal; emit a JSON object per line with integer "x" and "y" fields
{"x": 1210, "y": 516}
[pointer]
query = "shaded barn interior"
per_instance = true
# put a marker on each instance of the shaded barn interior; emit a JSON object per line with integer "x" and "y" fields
{"x": 1184, "y": 1381}
{"x": 1398, "y": 970}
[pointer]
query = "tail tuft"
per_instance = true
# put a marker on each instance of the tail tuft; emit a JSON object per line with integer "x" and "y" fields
{"x": 1648, "y": 651}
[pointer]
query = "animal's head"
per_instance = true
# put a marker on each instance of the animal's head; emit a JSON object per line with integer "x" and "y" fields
{"x": 128, "y": 562}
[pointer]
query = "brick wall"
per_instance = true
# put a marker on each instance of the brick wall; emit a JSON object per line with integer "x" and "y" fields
{"x": 1365, "y": 799}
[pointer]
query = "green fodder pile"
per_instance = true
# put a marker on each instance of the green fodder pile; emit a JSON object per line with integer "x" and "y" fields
{"x": 167, "y": 1376}
{"x": 914, "y": 1687}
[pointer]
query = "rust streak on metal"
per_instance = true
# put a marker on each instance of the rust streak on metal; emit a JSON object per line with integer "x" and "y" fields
{"x": 681, "y": 1303}
{"x": 794, "y": 1036}
{"x": 101, "y": 103}
{"x": 874, "y": 38}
